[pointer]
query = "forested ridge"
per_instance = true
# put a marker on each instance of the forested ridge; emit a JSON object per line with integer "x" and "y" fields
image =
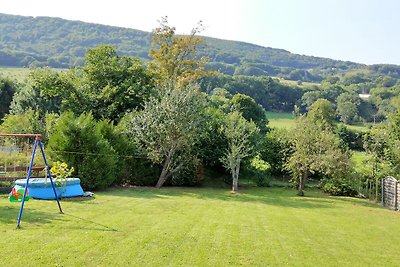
{"x": 173, "y": 118}
{"x": 59, "y": 43}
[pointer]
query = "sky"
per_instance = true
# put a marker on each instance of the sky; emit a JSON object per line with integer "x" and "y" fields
{"x": 363, "y": 31}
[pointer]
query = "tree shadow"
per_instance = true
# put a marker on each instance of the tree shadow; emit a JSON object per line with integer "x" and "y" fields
{"x": 268, "y": 196}
{"x": 358, "y": 201}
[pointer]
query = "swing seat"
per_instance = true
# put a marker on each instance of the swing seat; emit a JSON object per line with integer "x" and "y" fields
{"x": 41, "y": 188}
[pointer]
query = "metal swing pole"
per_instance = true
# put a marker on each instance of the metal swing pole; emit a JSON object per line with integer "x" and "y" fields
{"x": 28, "y": 176}
{"x": 49, "y": 175}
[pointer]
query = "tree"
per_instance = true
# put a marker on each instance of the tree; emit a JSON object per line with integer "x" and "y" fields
{"x": 376, "y": 145}
{"x": 239, "y": 133}
{"x": 168, "y": 128}
{"x": 250, "y": 110}
{"x": 347, "y": 107}
{"x": 113, "y": 85}
{"x": 80, "y": 142}
{"x": 322, "y": 112}
{"x": 175, "y": 57}
{"x": 316, "y": 149}
{"x": 48, "y": 91}
{"x": 7, "y": 90}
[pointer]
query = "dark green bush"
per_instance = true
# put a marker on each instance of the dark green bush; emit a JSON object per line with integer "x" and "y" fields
{"x": 133, "y": 167}
{"x": 79, "y": 142}
{"x": 191, "y": 174}
{"x": 353, "y": 138}
{"x": 338, "y": 188}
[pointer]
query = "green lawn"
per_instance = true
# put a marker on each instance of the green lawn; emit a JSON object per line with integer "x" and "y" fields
{"x": 286, "y": 120}
{"x": 201, "y": 227}
{"x": 280, "y": 120}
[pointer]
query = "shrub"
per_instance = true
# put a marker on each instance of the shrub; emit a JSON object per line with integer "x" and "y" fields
{"x": 353, "y": 138}
{"x": 79, "y": 141}
{"x": 259, "y": 170}
{"x": 338, "y": 188}
{"x": 133, "y": 167}
{"x": 191, "y": 174}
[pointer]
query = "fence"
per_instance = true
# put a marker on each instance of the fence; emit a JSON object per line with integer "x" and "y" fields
{"x": 391, "y": 193}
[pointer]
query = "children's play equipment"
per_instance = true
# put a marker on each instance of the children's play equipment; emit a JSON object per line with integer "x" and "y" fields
{"x": 17, "y": 193}
{"x": 41, "y": 188}
{"x": 24, "y": 193}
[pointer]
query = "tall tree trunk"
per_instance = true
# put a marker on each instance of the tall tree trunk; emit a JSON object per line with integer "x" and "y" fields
{"x": 164, "y": 173}
{"x": 303, "y": 179}
{"x": 235, "y": 177}
{"x": 234, "y": 183}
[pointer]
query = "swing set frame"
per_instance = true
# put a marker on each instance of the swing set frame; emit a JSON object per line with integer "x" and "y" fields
{"x": 38, "y": 143}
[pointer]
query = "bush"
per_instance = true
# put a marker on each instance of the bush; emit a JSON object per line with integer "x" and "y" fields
{"x": 80, "y": 142}
{"x": 133, "y": 168}
{"x": 191, "y": 174}
{"x": 259, "y": 171}
{"x": 338, "y": 188}
{"x": 353, "y": 138}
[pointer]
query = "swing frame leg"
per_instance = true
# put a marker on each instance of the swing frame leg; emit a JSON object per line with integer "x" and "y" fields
{"x": 28, "y": 176}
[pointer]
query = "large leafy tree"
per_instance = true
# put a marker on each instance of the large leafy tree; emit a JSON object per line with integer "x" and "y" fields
{"x": 108, "y": 86}
{"x": 113, "y": 85}
{"x": 322, "y": 112}
{"x": 7, "y": 90}
{"x": 347, "y": 107}
{"x": 48, "y": 91}
{"x": 175, "y": 57}
{"x": 239, "y": 133}
{"x": 168, "y": 128}
{"x": 316, "y": 149}
{"x": 250, "y": 110}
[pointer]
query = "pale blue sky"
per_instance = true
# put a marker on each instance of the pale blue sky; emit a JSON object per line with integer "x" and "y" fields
{"x": 362, "y": 31}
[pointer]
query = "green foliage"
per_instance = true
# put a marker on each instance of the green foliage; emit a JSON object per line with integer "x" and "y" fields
{"x": 250, "y": 110}
{"x": 239, "y": 134}
{"x": 175, "y": 57}
{"x": 80, "y": 142}
{"x": 43, "y": 41}
{"x": 337, "y": 187}
{"x": 347, "y": 107}
{"x": 352, "y": 138}
{"x": 113, "y": 85}
{"x": 316, "y": 150}
{"x": 7, "y": 90}
{"x": 49, "y": 91}
{"x": 212, "y": 142}
{"x": 168, "y": 128}
{"x": 260, "y": 170}
{"x": 133, "y": 169}
{"x": 322, "y": 112}
{"x": 269, "y": 93}
{"x": 276, "y": 149}
{"x": 108, "y": 86}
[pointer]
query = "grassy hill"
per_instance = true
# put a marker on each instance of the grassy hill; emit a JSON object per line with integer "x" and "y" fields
{"x": 60, "y": 43}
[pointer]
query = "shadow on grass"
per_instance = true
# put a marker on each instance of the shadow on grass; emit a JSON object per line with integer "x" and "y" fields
{"x": 92, "y": 226}
{"x": 358, "y": 202}
{"x": 9, "y": 215}
{"x": 269, "y": 196}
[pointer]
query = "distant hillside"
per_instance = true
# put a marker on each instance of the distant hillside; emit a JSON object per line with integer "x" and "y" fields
{"x": 59, "y": 43}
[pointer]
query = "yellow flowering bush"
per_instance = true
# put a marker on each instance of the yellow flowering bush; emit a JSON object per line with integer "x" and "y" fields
{"x": 60, "y": 172}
